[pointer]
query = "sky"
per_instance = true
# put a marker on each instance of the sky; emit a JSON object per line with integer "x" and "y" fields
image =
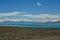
{"x": 29, "y": 10}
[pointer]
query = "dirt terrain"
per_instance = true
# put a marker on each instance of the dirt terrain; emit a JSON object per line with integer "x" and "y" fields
{"x": 18, "y": 33}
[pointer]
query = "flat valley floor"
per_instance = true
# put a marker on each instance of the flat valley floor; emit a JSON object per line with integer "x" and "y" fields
{"x": 19, "y": 33}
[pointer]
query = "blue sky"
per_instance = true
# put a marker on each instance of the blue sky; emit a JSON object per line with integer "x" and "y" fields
{"x": 30, "y": 7}
{"x": 47, "y": 6}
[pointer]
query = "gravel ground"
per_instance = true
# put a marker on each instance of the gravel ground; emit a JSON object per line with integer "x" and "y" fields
{"x": 15, "y": 33}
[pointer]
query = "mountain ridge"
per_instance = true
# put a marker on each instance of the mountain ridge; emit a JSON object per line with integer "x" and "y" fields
{"x": 56, "y": 22}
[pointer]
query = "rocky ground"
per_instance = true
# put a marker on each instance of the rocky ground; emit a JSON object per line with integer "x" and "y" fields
{"x": 16, "y": 33}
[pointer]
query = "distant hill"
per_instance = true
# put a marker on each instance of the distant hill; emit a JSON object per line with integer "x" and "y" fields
{"x": 57, "y": 22}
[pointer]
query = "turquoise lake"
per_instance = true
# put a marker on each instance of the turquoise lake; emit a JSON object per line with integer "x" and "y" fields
{"x": 41, "y": 25}
{"x": 35, "y": 25}
{"x": 30, "y": 24}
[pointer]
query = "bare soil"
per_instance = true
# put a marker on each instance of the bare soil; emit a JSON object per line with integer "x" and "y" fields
{"x": 19, "y": 33}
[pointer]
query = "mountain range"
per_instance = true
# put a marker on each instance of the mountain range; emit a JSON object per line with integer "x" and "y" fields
{"x": 56, "y": 22}
{"x": 19, "y": 22}
{"x": 23, "y": 22}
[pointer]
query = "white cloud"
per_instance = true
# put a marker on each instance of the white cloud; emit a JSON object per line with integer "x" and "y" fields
{"x": 24, "y": 16}
{"x": 10, "y": 14}
{"x": 54, "y": 20}
{"x": 38, "y": 4}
